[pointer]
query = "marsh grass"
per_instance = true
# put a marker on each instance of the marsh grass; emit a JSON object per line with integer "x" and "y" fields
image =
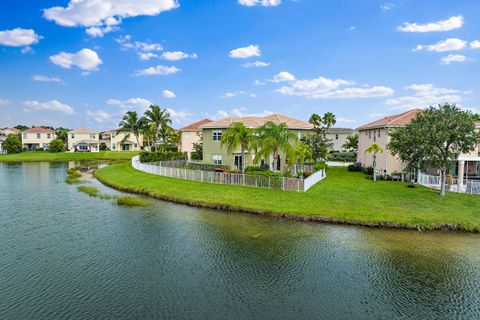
{"x": 131, "y": 202}
{"x": 73, "y": 176}
{"x": 91, "y": 191}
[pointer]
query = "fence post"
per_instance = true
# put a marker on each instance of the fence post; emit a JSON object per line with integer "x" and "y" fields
{"x": 283, "y": 183}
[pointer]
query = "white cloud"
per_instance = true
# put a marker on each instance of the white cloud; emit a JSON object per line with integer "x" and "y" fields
{"x": 103, "y": 117}
{"x": 283, "y": 77}
{"x": 258, "y": 82}
{"x": 264, "y": 3}
{"x": 145, "y": 50}
{"x": 387, "y": 6}
{"x": 453, "y": 58}
{"x": 168, "y": 94}
{"x": 102, "y": 16}
{"x": 238, "y": 93}
{"x": 256, "y": 64}
{"x": 246, "y": 52}
{"x": 42, "y": 78}
{"x": 324, "y": 88}
{"x": 177, "y": 55}
{"x": 424, "y": 95}
{"x": 19, "y": 37}
{"x": 443, "y": 25}
{"x": 451, "y": 44}
{"x": 157, "y": 71}
{"x": 138, "y": 104}
{"x": 475, "y": 44}
{"x": 180, "y": 117}
{"x": 352, "y": 28}
{"x": 345, "y": 120}
{"x": 4, "y": 102}
{"x": 52, "y": 105}
{"x": 85, "y": 59}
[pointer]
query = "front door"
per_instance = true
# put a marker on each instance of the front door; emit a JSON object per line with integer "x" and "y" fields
{"x": 237, "y": 161}
{"x": 126, "y": 147}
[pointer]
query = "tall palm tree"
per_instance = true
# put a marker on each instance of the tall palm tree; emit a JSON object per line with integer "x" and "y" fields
{"x": 329, "y": 120}
{"x": 273, "y": 139}
{"x": 299, "y": 154}
{"x": 131, "y": 123}
{"x": 374, "y": 149}
{"x": 238, "y": 136}
{"x": 160, "y": 119}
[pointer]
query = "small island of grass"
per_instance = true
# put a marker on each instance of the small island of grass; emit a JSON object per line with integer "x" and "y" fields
{"x": 343, "y": 197}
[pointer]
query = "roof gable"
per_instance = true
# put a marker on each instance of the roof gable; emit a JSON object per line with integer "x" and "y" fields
{"x": 196, "y": 125}
{"x": 38, "y": 130}
{"x": 393, "y": 121}
{"x": 255, "y": 122}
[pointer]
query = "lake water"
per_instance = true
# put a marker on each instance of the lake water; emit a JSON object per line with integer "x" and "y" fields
{"x": 64, "y": 255}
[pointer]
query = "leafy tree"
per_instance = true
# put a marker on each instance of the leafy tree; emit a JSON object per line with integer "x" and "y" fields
{"x": 21, "y": 127}
{"x": 329, "y": 120}
{"x": 197, "y": 153}
{"x": 103, "y": 146}
{"x": 351, "y": 143}
{"x": 476, "y": 117}
{"x": 238, "y": 136}
{"x": 161, "y": 122}
{"x": 374, "y": 149}
{"x": 439, "y": 135}
{"x": 300, "y": 154}
{"x": 273, "y": 139}
{"x": 131, "y": 123}
{"x": 56, "y": 145}
{"x": 62, "y": 134}
{"x": 13, "y": 143}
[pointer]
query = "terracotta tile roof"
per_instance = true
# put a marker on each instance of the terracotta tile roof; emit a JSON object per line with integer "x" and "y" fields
{"x": 83, "y": 131}
{"x": 393, "y": 121}
{"x": 38, "y": 130}
{"x": 255, "y": 122}
{"x": 196, "y": 126}
{"x": 340, "y": 130}
{"x": 11, "y": 129}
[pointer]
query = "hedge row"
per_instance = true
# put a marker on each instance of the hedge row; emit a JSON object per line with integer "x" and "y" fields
{"x": 206, "y": 166}
{"x": 149, "y": 156}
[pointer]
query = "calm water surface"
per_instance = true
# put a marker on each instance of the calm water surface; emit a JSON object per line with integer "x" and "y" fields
{"x": 64, "y": 255}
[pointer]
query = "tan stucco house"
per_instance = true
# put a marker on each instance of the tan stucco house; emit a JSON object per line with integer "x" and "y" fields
{"x": 37, "y": 137}
{"x": 214, "y": 153}
{"x": 191, "y": 135}
{"x": 83, "y": 140}
{"x": 7, "y": 131}
{"x": 115, "y": 141}
{"x": 338, "y": 137}
{"x": 378, "y": 132}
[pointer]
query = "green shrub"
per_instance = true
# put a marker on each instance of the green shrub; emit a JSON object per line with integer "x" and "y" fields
{"x": 206, "y": 166}
{"x": 131, "y": 202}
{"x": 13, "y": 143}
{"x": 320, "y": 166}
{"x": 356, "y": 167}
{"x": 342, "y": 156}
{"x": 155, "y": 156}
{"x": 40, "y": 149}
{"x": 103, "y": 146}
{"x": 307, "y": 174}
{"x": 368, "y": 171}
{"x": 56, "y": 146}
{"x": 263, "y": 168}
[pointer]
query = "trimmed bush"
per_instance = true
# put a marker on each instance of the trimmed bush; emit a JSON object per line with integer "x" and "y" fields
{"x": 342, "y": 156}
{"x": 356, "y": 167}
{"x": 368, "y": 171}
{"x": 320, "y": 166}
{"x": 56, "y": 146}
{"x": 155, "y": 156}
{"x": 13, "y": 143}
{"x": 206, "y": 166}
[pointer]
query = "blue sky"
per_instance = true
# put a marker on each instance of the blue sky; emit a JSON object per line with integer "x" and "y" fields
{"x": 85, "y": 62}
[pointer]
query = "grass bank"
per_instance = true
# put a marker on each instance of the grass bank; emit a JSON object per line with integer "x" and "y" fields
{"x": 343, "y": 197}
{"x": 37, "y": 156}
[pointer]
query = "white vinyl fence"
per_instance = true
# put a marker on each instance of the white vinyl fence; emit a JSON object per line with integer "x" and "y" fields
{"x": 452, "y": 184}
{"x": 173, "y": 169}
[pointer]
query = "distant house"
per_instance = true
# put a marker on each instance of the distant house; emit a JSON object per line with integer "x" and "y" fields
{"x": 2, "y": 138}
{"x": 83, "y": 140}
{"x": 212, "y": 132}
{"x": 191, "y": 135}
{"x": 37, "y": 137}
{"x": 7, "y": 131}
{"x": 338, "y": 136}
{"x": 115, "y": 141}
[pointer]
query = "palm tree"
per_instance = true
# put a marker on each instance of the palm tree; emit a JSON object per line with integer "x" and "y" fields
{"x": 238, "y": 136}
{"x": 273, "y": 139}
{"x": 299, "y": 154}
{"x": 374, "y": 149}
{"x": 160, "y": 120}
{"x": 329, "y": 120}
{"x": 131, "y": 123}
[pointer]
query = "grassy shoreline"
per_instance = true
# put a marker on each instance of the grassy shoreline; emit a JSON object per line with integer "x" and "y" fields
{"x": 39, "y": 156}
{"x": 343, "y": 197}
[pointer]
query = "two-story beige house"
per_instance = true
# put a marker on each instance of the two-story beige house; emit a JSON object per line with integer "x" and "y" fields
{"x": 115, "y": 141}
{"x": 83, "y": 140}
{"x": 7, "y": 131}
{"x": 37, "y": 137}
{"x": 378, "y": 132}
{"x": 338, "y": 137}
{"x": 190, "y": 135}
{"x": 214, "y": 153}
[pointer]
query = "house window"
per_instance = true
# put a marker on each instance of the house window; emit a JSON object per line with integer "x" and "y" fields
{"x": 217, "y": 135}
{"x": 38, "y": 135}
{"x": 379, "y": 133}
{"x": 49, "y": 135}
{"x": 92, "y": 136}
{"x": 336, "y": 137}
{"x": 369, "y": 134}
{"x": 136, "y": 145}
{"x": 217, "y": 159}
{"x": 113, "y": 146}
{"x": 73, "y": 136}
{"x": 24, "y": 136}
{"x": 113, "y": 135}
{"x": 46, "y": 145}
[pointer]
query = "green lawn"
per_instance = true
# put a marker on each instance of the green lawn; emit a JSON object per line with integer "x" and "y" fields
{"x": 31, "y": 156}
{"x": 342, "y": 197}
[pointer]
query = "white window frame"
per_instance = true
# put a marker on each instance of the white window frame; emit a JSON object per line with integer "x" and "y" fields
{"x": 217, "y": 135}
{"x": 217, "y": 159}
